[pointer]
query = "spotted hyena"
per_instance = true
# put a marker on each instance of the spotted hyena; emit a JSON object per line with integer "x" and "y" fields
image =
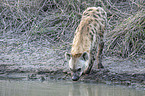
{"x": 88, "y": 42}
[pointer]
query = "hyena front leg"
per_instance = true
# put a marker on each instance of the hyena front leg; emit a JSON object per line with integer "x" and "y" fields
{"x": 99, "y": 55}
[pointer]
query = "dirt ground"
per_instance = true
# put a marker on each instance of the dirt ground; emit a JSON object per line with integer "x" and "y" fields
{"x": 20, "y": 60}
{"x": 40, "y": 63}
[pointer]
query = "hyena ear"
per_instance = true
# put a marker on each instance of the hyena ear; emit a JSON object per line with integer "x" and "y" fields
{"x": 67, "y": 56}
{"x": 85, "y": 56}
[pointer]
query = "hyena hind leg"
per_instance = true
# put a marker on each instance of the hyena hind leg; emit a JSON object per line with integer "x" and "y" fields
{"x": 99, "y": 55}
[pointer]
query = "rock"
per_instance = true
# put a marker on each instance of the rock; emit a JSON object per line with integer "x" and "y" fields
{"x": 32, "y": 76}
{"x": 42, "y": 78}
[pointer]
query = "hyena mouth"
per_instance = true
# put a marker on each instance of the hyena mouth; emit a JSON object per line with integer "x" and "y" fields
{"x": 75, "y": 77}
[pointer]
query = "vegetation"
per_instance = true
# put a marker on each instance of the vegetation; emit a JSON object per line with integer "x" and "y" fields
{"x": 55, "y": 21}
{"x": 128, "y": 38}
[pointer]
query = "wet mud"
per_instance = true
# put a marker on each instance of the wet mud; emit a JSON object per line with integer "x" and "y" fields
{"x": 105, "y": 76}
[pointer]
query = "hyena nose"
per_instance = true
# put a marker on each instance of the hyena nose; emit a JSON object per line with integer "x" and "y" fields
{"x": 75, "y": 78}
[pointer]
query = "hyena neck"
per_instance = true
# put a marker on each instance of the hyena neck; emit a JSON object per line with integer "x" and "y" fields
{"x": 82, "y": 41}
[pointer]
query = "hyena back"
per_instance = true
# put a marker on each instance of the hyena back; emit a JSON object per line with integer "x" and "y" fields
{"x": 88, "y": 42}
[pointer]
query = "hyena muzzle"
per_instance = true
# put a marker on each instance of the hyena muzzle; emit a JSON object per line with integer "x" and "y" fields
{"x": 88, "y": 42}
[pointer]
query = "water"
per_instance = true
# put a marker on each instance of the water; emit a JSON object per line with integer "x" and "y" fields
{"x": 63, "y": 88}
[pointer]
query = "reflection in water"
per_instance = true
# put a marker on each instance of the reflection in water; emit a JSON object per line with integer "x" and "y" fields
{"x": 102, "y": 90}
{"x": 63, "y": 88}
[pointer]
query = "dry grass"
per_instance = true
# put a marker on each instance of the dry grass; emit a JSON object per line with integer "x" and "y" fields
{"x": 128, "y": 38}
{"x": 52, "y": 23}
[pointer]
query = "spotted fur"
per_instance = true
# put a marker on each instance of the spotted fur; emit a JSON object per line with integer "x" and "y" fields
{"x": 88, "y": 41}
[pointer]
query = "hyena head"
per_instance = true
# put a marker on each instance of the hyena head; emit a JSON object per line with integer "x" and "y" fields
{"x": 77, "y": 64}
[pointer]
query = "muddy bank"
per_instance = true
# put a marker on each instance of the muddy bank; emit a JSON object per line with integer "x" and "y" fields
{"x": 112, "y": 74}
{"x": 34, "y": 62}
{"x": 96, "y": 76}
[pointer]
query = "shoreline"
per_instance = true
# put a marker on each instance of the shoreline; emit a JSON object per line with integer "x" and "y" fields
{"x": 105, "y": 76}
